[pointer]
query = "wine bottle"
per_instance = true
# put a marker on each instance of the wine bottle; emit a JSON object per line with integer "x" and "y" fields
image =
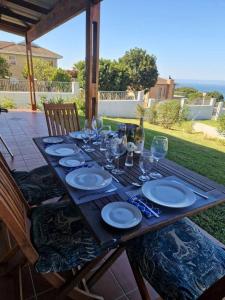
{"x": 140, "y": 137}
{"x": 130, "y": 135}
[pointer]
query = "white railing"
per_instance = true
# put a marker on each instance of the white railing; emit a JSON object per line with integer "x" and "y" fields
{"x": 10, "y": 85}
{"x": 118, "y": 95}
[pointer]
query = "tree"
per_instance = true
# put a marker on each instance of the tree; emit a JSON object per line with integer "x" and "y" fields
{"x": 136, "y": 69}
{"x": 112, "y": 76}
{"x": 215, "y": 94}
{"x": 141, "y": 68}
{"x": 44, "y": 71}
{"x": 60, "y": 75}
{"x": 79, "y": 67}
{"x": 4, "y": 68}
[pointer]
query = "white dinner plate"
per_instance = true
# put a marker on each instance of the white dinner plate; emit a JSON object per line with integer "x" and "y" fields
{"x": 53, "y": 140}
{"x": 76, "y": 135}
{"x": 62, "y": 150}
{"x": 89, "y": 178}
{"x": 168, "y": 193}
{"x": 72, "y": 161}
{"x": 121, "y": 215}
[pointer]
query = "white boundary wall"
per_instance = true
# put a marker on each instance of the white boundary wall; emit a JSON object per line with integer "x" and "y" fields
{"x": 22, "y": 99}
{"x": 118, "y": 108}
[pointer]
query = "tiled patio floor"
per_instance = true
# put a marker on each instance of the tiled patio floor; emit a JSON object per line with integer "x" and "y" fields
{"x": 18, "y": 129}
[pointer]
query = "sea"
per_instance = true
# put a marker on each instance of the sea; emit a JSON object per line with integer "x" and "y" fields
{"x": 203, "y": 85}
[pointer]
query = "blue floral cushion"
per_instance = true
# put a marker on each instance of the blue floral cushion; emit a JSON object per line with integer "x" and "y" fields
{"x": 179, "y": 261}
{"x": 38, "y": 185}
{"x": 61, "y": 238}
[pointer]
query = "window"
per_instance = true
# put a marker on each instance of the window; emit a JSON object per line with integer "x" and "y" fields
{"x": 12, "y": 60}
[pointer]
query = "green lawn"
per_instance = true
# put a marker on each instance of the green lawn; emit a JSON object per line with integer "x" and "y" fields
{"x": 206, "y": 157}
{"x": 212, "y": 123}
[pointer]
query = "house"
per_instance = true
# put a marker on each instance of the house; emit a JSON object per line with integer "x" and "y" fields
{"x": 163, "y": 89}
{"x": 15, "y": 54}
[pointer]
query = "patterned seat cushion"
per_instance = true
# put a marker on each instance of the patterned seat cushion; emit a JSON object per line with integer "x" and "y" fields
{"x": 179, "y": 261}
{"x": 38, "y": 185}
{"x": 61, "y": 238}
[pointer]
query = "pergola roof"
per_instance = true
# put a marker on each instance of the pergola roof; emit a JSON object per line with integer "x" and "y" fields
{"x": 36, "y": 17}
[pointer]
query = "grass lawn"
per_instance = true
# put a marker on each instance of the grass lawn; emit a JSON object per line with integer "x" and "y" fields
{"x": 204, "y": 156}
{"x": 212, "y": 123}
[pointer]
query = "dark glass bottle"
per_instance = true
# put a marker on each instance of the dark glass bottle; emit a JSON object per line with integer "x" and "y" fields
{"x": 140, "y": 137}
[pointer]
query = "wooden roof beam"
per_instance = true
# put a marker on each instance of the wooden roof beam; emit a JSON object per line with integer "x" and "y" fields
{"x": 8, "y": 12}
{"x": 62, "y": 12}
{"x": 12, "y": 28}
{"x": 31, "y": 6}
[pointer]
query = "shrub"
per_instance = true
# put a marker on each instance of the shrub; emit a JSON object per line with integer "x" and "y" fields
{"x": 188, "y": 128}
{"x": 140, "y": 111}
{"x": 152, "y": 114}
{"x": 169, "y": 113}
{"x": 221, "y": 124}
{"x": 7, "y": 103}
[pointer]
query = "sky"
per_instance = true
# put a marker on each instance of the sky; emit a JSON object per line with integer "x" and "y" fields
{"x": 186, "y": 36}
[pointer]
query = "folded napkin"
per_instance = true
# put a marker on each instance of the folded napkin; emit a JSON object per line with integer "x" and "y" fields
{"x": 135, "y": 201}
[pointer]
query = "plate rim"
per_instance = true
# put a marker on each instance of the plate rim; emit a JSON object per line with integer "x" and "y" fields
{"x": 53, "y": 143}
{"x": 67, "y": 157}
{"x": 82, "y": 170}
{"x": 154, "y": 200}
{"x": 60, "y": 155}
{"x": 134, "y": 208}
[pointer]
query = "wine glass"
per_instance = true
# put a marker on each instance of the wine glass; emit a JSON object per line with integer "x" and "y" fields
{"x": 97, "y": 125}
{"x": 87, "y": 136}
{"x": 145, "y": 165}
{"x": 159, "y": 149}
{"x": 119, "y": 146}
{"x": 104, "y": 136}
{"x": 109, "y": 156}
{"x": 84, "y": 136}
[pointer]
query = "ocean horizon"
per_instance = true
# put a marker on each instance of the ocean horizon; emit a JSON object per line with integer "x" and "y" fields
{"x": 203, "y": 85}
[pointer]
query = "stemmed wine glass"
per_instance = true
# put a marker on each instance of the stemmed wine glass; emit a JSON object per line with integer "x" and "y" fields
{"x": 159, "y": 149}
{"x": 145, "y": 165}
{"x": 87, "y": 136}
{"x": 97, "y": 124}
{"x": 109, "y": 156}
{"x": 119, "y": 146}
{"x": 104, "y": 137}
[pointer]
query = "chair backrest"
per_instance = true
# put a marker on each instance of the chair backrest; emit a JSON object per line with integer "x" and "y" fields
{"x": 13, "y": 213}
{"x": 61, "y": 118}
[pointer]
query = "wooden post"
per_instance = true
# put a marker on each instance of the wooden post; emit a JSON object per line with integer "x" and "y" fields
{"x": 31, "y": 75}
{"x": 92, "y": 59}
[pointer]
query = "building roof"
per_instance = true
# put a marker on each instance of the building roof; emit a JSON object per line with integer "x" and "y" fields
{"x": 13, "y": 48}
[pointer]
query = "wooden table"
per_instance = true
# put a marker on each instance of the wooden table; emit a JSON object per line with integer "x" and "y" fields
{"x": 90, "y": 206}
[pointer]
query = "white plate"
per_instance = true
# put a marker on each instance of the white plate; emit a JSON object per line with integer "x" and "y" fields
{"x": 168, "y": 193}
{"x": 72, "y": 161}
{"x": 62, "y": 150}
{"x": 121, "y": 215}
{"x": 53, "y": 140}
{"x": 76, "y": 135}
{"x": 89, "y": 178}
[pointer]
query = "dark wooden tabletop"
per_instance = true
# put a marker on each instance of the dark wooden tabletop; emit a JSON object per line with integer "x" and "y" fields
{"x": 90, "y": 204}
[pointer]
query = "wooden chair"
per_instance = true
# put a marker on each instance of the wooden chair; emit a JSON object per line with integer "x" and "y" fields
{"x": 180, "y": 262}
{"x": 61, "y": 118}
{"x": 13, "y": 213}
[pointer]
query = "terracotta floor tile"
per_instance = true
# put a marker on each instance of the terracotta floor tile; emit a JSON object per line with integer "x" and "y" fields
{"x": 108, "y": 287}
{"x": 123, "y": 273}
